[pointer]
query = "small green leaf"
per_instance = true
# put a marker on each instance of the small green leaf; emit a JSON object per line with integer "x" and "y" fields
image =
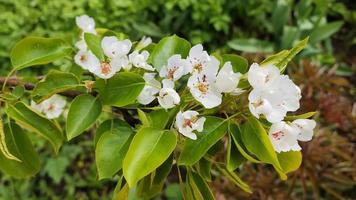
{"x": 194, "y": 150}
{"x": 234, "y": 178}
{"x": 251, "y": 45}
{"x": 302, "y": 116}
{"x": 38, "y": 51}
{"x": 148, "y": 150}
{"x": 257, "y": 142}
{"x": 3, "y": 146}
{"x": 143, "y": 117}
{"x": 290, "y": 161}
{"x": 94, "y": 44}
{"x": 239, "y": 64}
{"x": 20, "y": 145}
{"x": 82, "y": 114}
{"x": 31, "y": 120}
{"x": 110, "y": 152}
{"x": 204, "y": 169}
{"x": 111, "y": 125}
{"x": 233, "y": 158}
{"x": 199, "y": 187}
{"x": 55, "y": 82}
{"x": 322, "y": 32}
{"x": 120, "y": 90}
{"x": 167, "y": 47}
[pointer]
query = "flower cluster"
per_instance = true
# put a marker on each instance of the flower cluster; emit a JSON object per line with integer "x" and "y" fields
{"x": 272, "y": 95}
{"x": 52, "y": 107}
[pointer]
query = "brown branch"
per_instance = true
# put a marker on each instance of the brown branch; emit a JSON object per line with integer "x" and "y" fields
{"x": 14, "y": 81}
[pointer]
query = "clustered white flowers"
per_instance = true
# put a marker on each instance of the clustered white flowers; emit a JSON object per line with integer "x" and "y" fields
{"x": 272, "y": 95}
{"x": 52, "y": 107}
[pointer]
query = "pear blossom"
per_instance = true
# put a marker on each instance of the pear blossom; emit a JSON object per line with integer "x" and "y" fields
{"x": 86, "y": 23}
{"x": 140, "y": 60}
{"x": 52, "y": 107}
{"x": 176, "y": 68}
{"x": 86, "y": 59}
{"x": 283, "y": 137}
{"x": 144, "y": 42}
{"x": 81, "y": 45}
{"x": 151, "y": 89}
{"x": 201, "y": 62}
{"x": 113, "y": 47}
{"x": 168, "y": 97}
{"x": 187, "y": 122}
{"x": 204, "y": 90}
{"x": 227, "y": 80}
{"x": 305, "y": 128}
{"x": 262, "y": 77}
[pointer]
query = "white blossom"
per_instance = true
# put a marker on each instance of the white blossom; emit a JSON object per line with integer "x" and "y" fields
{"x": 86, "y": 59}
{"x": 86, "y": 23}
{"x": 227, "y": 80}
{"x": 201, "y": 62}
{"x": 168, "y": 97}
{"x": 113, "y": 47}
{"x": 52, "y": 107}
{"x": 144, "y": 42}
{"x": 304, "y": 128}
{"x": 176, "y": 68}
{"x": 283, "y": 137}
{"x": 203, "y": 89}
{"x": 187, "y": 122}
{"x": 151, "y": 89}
{"x": 140, "y": 60}
{"x": 262, "y": 77}
{"x": 81, "y": 45}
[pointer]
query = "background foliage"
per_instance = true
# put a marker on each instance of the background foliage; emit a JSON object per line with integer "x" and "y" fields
{"x": 257, "y": 27}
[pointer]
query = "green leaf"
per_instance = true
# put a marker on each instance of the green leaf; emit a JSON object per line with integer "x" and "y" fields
{"x": 153, "y": 183}
{"x": 251, "y": 45}
{"x": 290, "y": 161}
{"x": 83, "y": 112}
{"x": 3, "y": 146}
{"x": 204, "y": 169}
{"x": 323, "y": 32}
{"x": 236, "y": 137}
{"x": 38, "y": 51}
{"x": 167, "y": 47}
{"x": 282, "y": 58}
{"x": 110, "y": 152}
{"x": 143, "y": 118}
{"x": 120, "y": 90}
{"x": 199, "y": 187}
{"x": 148, "y": 150}
{"x": 290, "y": 34}
{"x": 55, "y": 82}
{"x": 234, "y": 178}
{"x": 31, "y": 120}
{"x": 257, "y": 142}
{"x": 302, "y": 116}
{"x": 280, "y": 16}
{"x": 239, "y": 64}
{"x": 159, "y": 118}
{"x": 233, "y": 158}
{"x": 194, "y": 150}
{"x": 111, "y": 125}
{"x": 20, "y": 145}
{"x": 94, "y": 44}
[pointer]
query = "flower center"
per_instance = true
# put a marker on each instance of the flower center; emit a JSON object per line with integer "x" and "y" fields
{"x": 198, "y": 67}
{"x": 83, "y": 58}
{"x": 171, "y": 72}
{"x": 258, "y": 103}
{"x": 50, "y": 107}
{"x": 189, "y": 122}
{"x": 277, "y": 135}
{"x": 203, "y": 88}
{"x": 105, "y": 68}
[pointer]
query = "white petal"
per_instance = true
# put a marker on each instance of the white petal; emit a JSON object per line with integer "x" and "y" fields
{"x": 36, "y": 107}
{"x": 168, "y": 98}
{"x": 260, "y": 77}
{"x": 283, "y": 137}
{"x": 227, "y": 80}
{"x": 167, "y": 83}
{"x": 86, "y": 23}
{"x": 199, "y": 124}
{"x": 305, "y": 128}
{"x": 86, "y": 60}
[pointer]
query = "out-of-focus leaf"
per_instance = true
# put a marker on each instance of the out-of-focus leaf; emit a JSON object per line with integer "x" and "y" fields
{"x": 251, "y": 45}
{"x": 325, "y": 31}
{"x": 239, "y": 64}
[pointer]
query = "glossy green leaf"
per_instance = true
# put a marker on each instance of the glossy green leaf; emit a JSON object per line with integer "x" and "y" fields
{"x": 251, "y": 45}
{"x": 32, "y": 51}
{"x": 83, "y": 112}
{"x": 55, "y": 82}
{"x": 110, "y": 152}
{"x": 111, "y": 125}
{"x": 159, "y": 118}
{"x": 236, "y": 137}
{"x": 256, "y": 141}
{"x": 167, "y": 47}
{"x": 204, "y": 169}
{"x": 94, "y": 44}
{"x": 233, "y": 158}
{"x": 120, "y": 90}
{"x": 31, "y": 120}
{"x": 290, "y": 34}
{"x": 199, "y": 187}
{"x": 148, "y": 150}
{"x": 142, "y": 116}
{"x": 234, "y": 178}
{"x": 193, "y": 150}
{"x": 325, "y": 31}
{"x": 3, "y": 146}
{"x": 239, "y": 63}
{"x": 290, "y": 161}
{"x": 20, "y": 145}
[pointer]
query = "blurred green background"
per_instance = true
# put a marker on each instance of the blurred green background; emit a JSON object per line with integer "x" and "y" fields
{"x": 253, "y": 28}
